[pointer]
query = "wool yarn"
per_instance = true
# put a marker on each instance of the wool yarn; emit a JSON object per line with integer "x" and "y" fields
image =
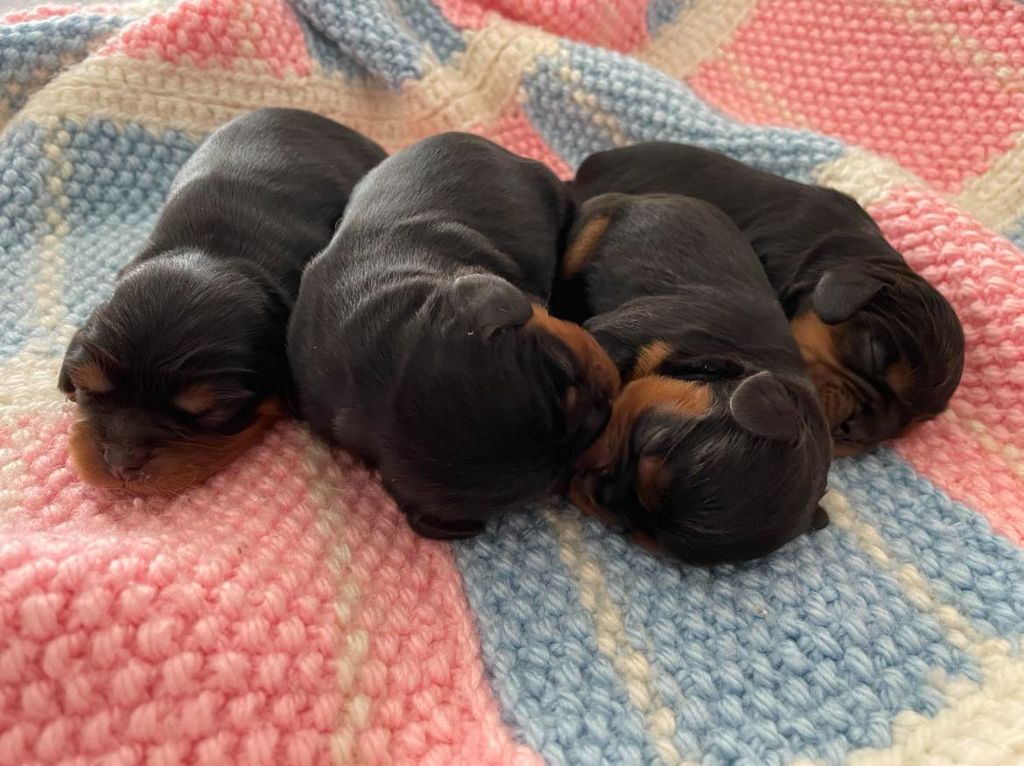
{"x": 283, "y": 613}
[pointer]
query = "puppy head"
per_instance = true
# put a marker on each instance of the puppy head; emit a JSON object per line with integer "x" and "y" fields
{"x": 174, "y": 376}
{"x": 708, "y": 462}
{"x": 884, "y": 349}
{"x": 496, "y": 399}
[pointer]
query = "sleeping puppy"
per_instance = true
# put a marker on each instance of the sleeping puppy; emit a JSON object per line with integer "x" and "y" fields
{"x": 420, "y": 340}
{"x": 717, "y": 449}
{"x": 884, "y": 348}
{"x": 184, "y": 366}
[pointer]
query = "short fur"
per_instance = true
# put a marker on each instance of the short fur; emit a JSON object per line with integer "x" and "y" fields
{"x": 717, "y": 449}
{"x": 885, "y": 349}
{"x": 421, "y": 342}
{"x": 184, "y": 366}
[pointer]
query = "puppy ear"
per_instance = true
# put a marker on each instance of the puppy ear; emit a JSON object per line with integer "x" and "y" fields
{"x": 840, "y": 293}
{"x": 71, "y": 358}
{"x": 762, "y": 406}
{"x": 491, "y": 304}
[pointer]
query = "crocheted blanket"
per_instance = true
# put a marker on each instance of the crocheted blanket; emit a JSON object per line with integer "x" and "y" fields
{"x": 285, "y": 614}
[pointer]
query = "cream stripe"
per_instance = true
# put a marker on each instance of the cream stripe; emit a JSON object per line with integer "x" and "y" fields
{"x": 996, "y": 197}
{"x": 865, "y": 176}
{"x": 977, "y": 720}
{"x": 475, "y": 88}
{"x": 353, "y": 712}
{"x": 1007, "y": 453}
{"x": 631, "y": 665}
{"x": 678, "y": 50}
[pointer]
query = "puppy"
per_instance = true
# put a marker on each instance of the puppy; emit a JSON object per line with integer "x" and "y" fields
{"x": 884, "y": 348}
{"x": 420, "y": 340}
{"x": 717, "y": 449}
{"x": 185, "y": 366}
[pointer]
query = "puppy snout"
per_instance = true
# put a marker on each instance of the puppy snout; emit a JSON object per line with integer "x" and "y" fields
{"x": 125, "y": 463}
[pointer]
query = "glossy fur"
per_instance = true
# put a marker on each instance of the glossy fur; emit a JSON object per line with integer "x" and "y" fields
{"x": 884, "y": 348}
{"x": 717, "y": 449}
{"x": 421, "y": 342}
{"x": 184, "y": 366}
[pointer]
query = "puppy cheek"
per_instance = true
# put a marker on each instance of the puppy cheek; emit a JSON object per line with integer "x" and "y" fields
{"x": 181, "y": 466}
{"x": 87, "y": 457}
{"x": 835, "y": 401}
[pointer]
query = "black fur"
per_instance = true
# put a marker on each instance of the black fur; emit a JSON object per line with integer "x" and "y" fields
{"x": 208, "y": 298}
{"x": 821, "y": 252}
{"x": 744, "y": 476}
{"x": 414, "y": 342}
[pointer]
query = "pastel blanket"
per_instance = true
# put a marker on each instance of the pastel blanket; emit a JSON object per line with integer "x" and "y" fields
{"x": 285, "y": 614}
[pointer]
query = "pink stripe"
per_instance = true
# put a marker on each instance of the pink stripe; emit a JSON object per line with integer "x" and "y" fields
{"x": 49, "y": 12}
{"x": 422, "y": 677}
{"x": 717, "y": 83}
{"x": 200, "y": 628}
{"x": 620, "y": 25}
{"x": 948, "y": 454}
{"x": 855, "y": 75}
{"x": 994, "y": 26}
{"x": 464, "y": 14}
{"x": 515, "y": 132}
{"x": 982, "y": 275}
{"x": 220, "y": 33}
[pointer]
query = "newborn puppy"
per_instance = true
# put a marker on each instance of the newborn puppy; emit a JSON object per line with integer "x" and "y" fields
{"x": 185, "y": 366}
{"x": 884, "y": 348}
{"x": 717, "y": 449}
{"x": 420, "y": 340}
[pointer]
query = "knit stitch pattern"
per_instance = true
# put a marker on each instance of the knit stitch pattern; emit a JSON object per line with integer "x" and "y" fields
{"x": 284, "y": 613}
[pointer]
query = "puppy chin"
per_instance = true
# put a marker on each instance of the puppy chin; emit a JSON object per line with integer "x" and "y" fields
{"x": 176, "y": 467}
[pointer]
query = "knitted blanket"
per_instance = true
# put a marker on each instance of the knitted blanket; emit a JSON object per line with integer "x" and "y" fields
{"x": 284, "y": 613}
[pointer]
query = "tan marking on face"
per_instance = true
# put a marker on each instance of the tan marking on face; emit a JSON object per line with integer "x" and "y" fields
{"x": 817, "y": 343}
{"x": 686, "y": 398}
{"x": 899, "y": 377}
{"x": 582, "y": 247}
{"x": 175, "y": 467}
{"x": 650, "y": 358}
{"x": 815, "y": 339}
{"x": 651, "y": 480}
{"x": 91, "y": 378}
{"x": 196, "y": 399}
{"x": 599, "y": 370}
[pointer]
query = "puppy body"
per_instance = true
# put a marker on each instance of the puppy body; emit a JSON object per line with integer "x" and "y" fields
{"x": 885, "y": 349}
{"x": 184, "y": 366}
{"x": 717, "y": 449}
{"x": 420, "y": 340}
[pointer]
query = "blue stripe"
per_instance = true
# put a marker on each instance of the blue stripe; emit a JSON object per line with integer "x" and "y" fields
{"x": 1016, "y": 234}
{"x": 366, "y": 32}
{"x": 808, "y": 653}
{"x": 969, "y": 566}
{"x": 556, "y": 690}
{"x": 32, "y": 52}
{"x": 432, "y": 27}
{"x": 120, "y": 176}
{"x": 649, "y": 106}
{"x": 23, "y": 202}
{"x": 662, "y": 12}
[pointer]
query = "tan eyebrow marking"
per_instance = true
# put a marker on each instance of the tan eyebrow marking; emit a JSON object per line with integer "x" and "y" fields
{"x": 196, "y": 399}
{"x": 91, "y": 378}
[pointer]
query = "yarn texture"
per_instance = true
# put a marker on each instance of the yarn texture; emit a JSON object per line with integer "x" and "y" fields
{"x": 284, "y": 613}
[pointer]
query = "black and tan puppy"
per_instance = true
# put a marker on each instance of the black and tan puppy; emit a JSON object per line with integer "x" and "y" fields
{"x": 420, "y": 340}
{"x": 884, "y": 348}
{"x": 717, "y": 449}
{"x": 185, "y": 366}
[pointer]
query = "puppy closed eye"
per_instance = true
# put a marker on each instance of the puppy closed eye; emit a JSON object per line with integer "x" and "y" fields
{"x": 210, "y": 406}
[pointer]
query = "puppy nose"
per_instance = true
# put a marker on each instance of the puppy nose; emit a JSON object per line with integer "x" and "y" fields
{"x": 125, "y": 462}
